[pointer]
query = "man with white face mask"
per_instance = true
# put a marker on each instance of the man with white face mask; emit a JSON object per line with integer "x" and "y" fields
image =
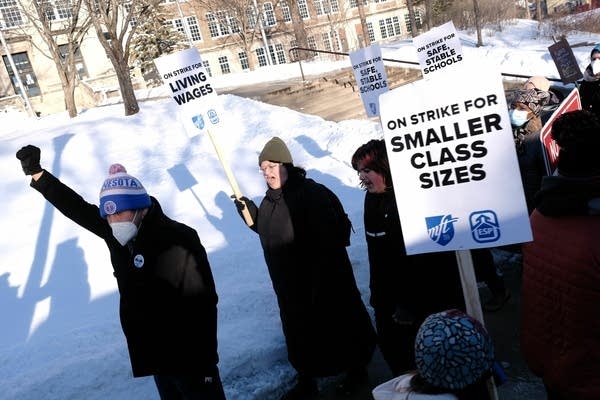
{"x": 168, "y": 300}
{"x": 589, "y": 87}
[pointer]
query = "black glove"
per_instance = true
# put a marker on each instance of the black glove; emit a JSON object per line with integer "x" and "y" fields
{"x": 244, "y": 202}
{"x": 30, "y": 159}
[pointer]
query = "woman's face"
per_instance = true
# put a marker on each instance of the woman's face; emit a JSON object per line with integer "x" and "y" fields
{"x": 275, "y": 174}
{"x": 373, "y": 181}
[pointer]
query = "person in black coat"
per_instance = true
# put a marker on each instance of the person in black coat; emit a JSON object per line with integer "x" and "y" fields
{"x": 168, "y": 300}
{"x": 589, "y": 87}
{"x": 405, "y": 289}
{"x": 525, "y": 109}
{"x": 326, "y": 325}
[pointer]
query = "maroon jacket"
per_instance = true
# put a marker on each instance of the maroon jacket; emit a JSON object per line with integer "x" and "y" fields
{"x": 560, "y": 327}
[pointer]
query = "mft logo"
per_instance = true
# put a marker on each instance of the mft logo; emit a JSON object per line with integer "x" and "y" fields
{"x": 484, "y": 226}
{"x": 198, "y": 121}
{"x": 440, "y": 228}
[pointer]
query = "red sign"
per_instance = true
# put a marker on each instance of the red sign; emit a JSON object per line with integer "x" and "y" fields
{"x": 571, "y": 103}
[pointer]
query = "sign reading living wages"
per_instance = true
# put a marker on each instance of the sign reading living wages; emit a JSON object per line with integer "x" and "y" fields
{"x": 438, "y": 49}
{"x": 370, "y": 76}
{"x": 453, "y": 161}
{"x": 187, "y": 81}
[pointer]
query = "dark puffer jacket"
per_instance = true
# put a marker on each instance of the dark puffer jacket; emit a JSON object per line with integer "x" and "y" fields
{"x": 325, "y": 323}
{"x": 560, "y": 327}
{"x": 168, "y": 302}
{"x": 419, "y": 284}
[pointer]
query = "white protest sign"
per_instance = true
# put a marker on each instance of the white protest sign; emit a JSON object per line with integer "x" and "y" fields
{"x": 454, "y": 164}
{"x": 199, "y": 106}
{"x": 370, "y": 76}
{"x": 187, "y": 80}
{"x": 438, "y": 49}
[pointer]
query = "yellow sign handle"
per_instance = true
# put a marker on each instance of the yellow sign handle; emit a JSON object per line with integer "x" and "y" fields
{"x": 232, "y": 182}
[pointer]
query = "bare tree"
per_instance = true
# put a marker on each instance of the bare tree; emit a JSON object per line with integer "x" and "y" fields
{"x": 115, "y": 24}
{"x": 477, "y": 22}
{"x": 240, "y": 21}
{"x": 411, "y": 16}
{"x": 62, "y": 27}
{"x": 538, "y": 10}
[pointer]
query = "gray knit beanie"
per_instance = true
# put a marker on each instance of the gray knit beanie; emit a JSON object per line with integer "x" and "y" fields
{"x": 275, "y": 150}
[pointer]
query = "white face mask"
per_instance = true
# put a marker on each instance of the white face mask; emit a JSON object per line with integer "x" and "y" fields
{"x": 595, "y": 66}
{"x": 124, "y": 231}
{"x": 518, "y": 117}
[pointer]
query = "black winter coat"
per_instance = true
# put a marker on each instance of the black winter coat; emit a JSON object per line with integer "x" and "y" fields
{"x": 168, "y": 301}
{"x": 419, "y": 284}
{"x": 325, "y": 323}
{"x": 589, "y": 92}
{"x": 530, "y": 154}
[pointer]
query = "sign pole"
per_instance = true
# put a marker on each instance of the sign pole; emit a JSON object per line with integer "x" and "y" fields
{"x": 472, "y": 302}
{"x": 232, "y": 182}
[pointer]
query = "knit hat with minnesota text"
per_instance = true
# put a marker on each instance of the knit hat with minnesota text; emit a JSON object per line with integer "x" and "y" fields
{"x": 121, "y": 192}
{"x": 275, "y": 150}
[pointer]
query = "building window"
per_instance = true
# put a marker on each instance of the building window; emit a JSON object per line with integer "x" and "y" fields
{"x": 418, "y": 21}
{"x": 192, "y": 25}
{"x": 77, "y": 59}
{"x": 11, "y": 15}
{"x": 28, "y": 78}
{"x": 56, "y": 10}
{"x": 285, "y": 10}
{"x": 294, "y": 53}
{"x": 331, "y": 41}
{"x": 269, "y": 15}
{"x": 312, "y": 44}
{"x": 370, "y": 32}
{"x": 206, "y": 66}
{"x": 244, "y": 60}
{"x": 277, "y": 54}
{"x": 326, "y": 6}
{"x": 192, "y": 22}
{"x": 326, "y": 41}
{"x": 261, "y": 57}
{"x": 251, "y": 17}
{"x": 303, "y": 9}
{"x": 389, "y": 27}
{"x": 220, "y": 24}
{"x": 224, "y": 64}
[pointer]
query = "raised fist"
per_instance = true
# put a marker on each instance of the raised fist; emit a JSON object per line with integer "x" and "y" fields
{"x": 30, "y": 159}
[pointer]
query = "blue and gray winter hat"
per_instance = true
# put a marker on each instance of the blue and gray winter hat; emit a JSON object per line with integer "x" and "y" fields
{"x": 121, "y": 192}
{"x": 453, "y": 350}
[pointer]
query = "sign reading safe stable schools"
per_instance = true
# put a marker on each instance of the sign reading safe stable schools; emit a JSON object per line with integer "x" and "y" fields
{"x": 454, "y": 165}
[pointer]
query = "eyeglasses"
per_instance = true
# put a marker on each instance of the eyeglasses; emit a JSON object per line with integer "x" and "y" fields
{"x": 269, "y": 168}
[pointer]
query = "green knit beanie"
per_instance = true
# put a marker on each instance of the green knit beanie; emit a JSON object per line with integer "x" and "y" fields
{"x": 275, "y": 150}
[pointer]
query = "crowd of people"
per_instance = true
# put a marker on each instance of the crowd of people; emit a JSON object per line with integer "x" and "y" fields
{"x": 168, "y": 299}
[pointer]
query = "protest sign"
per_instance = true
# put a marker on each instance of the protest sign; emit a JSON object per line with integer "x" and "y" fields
{"x": 453, "y": 161}
{"x": 198, "y": 104}
{"x": 370, "y": 76}
{"x": 565, "y": 61}
{"x": 188, "y": 84}
{"x": 571, "y": 103}
{"x": 438, "y": 49}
